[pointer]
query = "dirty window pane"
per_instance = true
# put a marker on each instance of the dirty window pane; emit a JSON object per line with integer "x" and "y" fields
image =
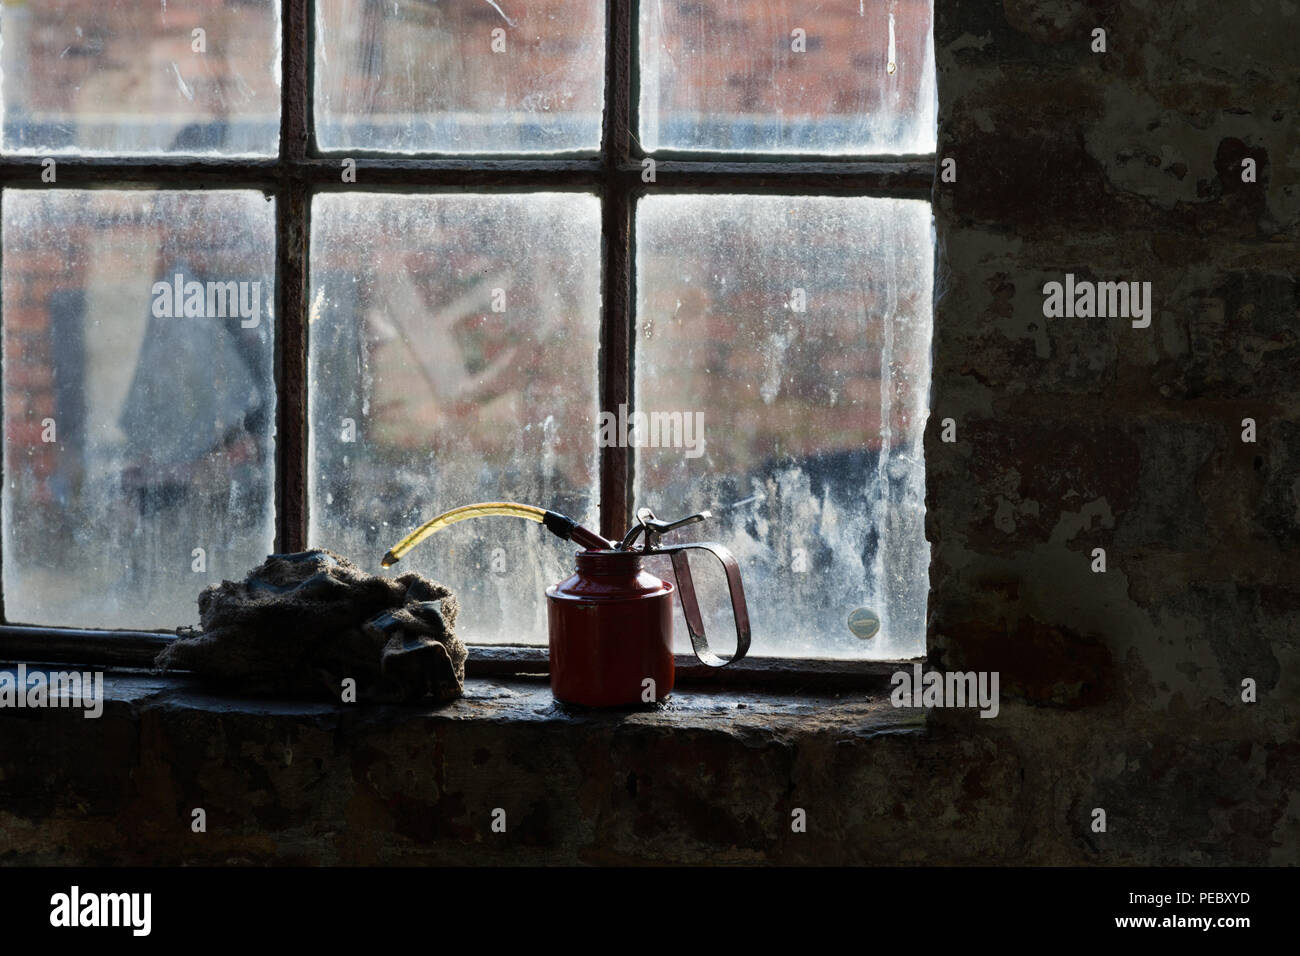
{"x": 837, "y": 76}
{"x": 460, "y": 76}
{"x": 794, "y": 333}
{"x": 111, "y": 77}
{"x": 453, "y": 348}
{"x": 138, "y": 452}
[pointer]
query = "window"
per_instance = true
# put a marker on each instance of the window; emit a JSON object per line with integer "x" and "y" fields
{"x": 279, "y": 275}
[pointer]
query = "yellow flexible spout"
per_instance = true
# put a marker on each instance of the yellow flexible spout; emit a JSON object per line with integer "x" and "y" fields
{"x": 483, "y": 509}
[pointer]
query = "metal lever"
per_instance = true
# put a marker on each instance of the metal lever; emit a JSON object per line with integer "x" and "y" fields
{"x": 654, "y": 529}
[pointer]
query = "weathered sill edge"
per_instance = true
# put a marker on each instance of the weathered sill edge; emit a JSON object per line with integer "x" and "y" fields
{"x": 137, "y": 649}
{"x": 756, "y": 717}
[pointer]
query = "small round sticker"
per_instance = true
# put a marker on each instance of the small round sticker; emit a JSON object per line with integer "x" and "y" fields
{"x": 864, "y": 623}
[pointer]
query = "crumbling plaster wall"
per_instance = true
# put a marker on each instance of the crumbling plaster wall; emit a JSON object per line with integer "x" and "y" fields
{"x": 1082, "y": 433}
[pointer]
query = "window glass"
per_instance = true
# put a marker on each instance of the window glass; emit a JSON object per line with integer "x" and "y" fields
{"x": 114, "y": 77}
{"x": 139, "y": 401}
{"x": 452, "y": 359}
{"x": 787, "y": 76}
{"x": 460, "y": 76}
{"x": 790, "y": 337}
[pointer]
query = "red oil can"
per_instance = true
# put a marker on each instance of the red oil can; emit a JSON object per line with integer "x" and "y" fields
{"x": 611, "y": 632}
{"x": 611, "y": 623}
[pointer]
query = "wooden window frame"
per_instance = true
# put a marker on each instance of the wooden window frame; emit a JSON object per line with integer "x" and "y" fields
{"x": 615, "y": 175}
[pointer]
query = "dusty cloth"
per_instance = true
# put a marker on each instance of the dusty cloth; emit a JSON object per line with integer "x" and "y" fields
{"x": 303, "y": 623}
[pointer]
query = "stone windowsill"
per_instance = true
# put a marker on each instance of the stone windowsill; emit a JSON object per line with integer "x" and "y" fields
{"x": 525, "y": 700}
{"x": 707, "y": 776}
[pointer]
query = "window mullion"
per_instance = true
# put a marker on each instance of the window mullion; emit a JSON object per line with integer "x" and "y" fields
{"x": 616, "y": 344}
{"x": 292, "y": 220}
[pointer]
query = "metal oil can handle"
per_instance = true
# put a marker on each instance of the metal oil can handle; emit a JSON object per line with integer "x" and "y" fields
{"x": 691, "y": 604}
{"x": 653, "y": 528}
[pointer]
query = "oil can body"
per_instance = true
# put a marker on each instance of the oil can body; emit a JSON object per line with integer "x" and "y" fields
{"x": 611, "y": 631}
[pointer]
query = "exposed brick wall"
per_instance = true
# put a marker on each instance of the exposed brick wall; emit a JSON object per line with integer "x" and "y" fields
{"x": 35, "y": 272}
{"x": 82, "y": 53}
{"x": 48, "y": 257}
{"x": 1076, "y": 434}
